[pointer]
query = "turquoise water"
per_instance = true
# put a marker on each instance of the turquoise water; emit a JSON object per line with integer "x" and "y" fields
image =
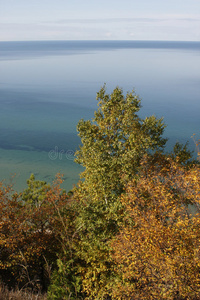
{"x": 46, "y": 87}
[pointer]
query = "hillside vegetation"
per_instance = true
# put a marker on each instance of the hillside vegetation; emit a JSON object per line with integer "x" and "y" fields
{"x": 129, "y": 229}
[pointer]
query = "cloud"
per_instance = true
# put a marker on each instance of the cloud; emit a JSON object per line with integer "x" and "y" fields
{"x": 103, "y": 20}
{"x": 155, "y": 27}
{"x": 164, "y": 18}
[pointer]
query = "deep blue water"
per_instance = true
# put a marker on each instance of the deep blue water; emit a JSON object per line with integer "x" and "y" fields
{"x": 47, "y": 86}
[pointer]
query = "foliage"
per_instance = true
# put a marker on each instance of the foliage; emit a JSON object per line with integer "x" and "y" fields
{"x": 65, "y": 282}
{"x": 128, "y": 230}
{"x": 30, "y": 233}
{"x": 197, "y": 144}
{"x": 113, "y": 144}
{"x": 182, "y": 154}
{"x": 157, "y": 250}
{"x": 66, "y": 279}
{"x": 36, "y": 191}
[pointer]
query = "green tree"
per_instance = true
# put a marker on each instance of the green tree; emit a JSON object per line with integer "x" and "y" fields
{"x": 35, "y": 192}
{"x": 115, "y": 141}
{"x": 113, "y": 144}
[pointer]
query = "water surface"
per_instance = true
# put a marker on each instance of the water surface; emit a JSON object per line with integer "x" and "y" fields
{"x": 46, "y": 87}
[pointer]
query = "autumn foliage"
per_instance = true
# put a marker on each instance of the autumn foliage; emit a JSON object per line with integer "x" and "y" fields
{"x": 30, "y": 233}
{"x": 130, "y": 229}
{"x": 157, "y": 249}
{"x": 197, "y": 144}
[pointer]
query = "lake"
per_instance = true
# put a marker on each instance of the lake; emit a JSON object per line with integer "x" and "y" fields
{"x": 47, "y": 86}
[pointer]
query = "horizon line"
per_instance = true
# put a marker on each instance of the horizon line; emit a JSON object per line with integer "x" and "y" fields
{"x": 100, "y": 40}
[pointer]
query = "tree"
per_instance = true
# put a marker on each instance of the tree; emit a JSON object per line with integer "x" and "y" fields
{"x": 197, "y": 145}
{"x": 31, "y": 232}
{"x": 113, "y": 144}
{"x": 35, "y": 192}
{"x": 157, "y": 249}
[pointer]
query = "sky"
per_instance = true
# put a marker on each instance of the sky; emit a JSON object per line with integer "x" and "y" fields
{"x": 25, "y": 20}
